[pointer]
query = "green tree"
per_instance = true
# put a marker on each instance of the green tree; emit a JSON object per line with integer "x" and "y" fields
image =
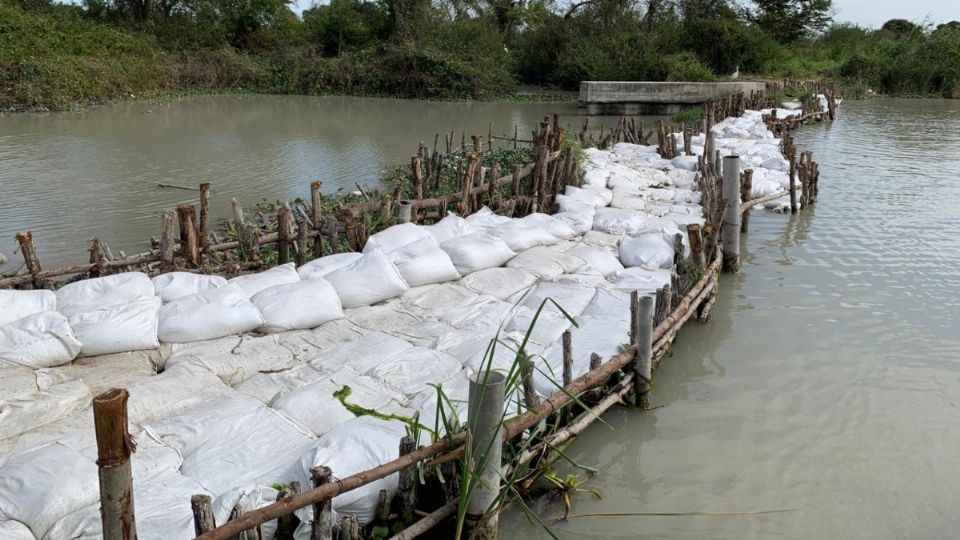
{"x": 789, "y": 20}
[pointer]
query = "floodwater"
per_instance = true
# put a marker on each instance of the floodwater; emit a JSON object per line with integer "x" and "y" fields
{"x": 827, "y": 383}
{"x": 69, "y": 176}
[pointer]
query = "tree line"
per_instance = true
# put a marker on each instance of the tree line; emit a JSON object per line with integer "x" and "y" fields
{"x": 453, "y": 48}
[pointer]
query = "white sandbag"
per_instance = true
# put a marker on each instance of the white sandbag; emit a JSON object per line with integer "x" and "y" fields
{"x": 596, "y": 259}
{"x": 101, "y": 373}
{"x": 618, "y": 221}
{"x": 592, "y": 195}
{"x": 324, "y": 265}
{"x": 30, "y": 411}
{"x": 314, "y": 407}
{"x": 411, "y": 371}
{"x": 628, "y": 202}
{"x": 572, "y": 297}
{"x": 395, "y": 319}
{"x": 572, "y": 205}
{"x": 371, "y": 279}
{"x": 501, "y": 283}
{"x": 395, "y": 237}
{"x": 209, "y": 315}
{"x": 476, "y": 252}
{"x": 604, "y": 336}
{"x": 14, "y": 530}
{"x": 38, "y": 341}
{"x": 295, "y": 306}
{"x": 360, "y": 355}
{"x": 40, "y": 486}
{"x": 175, "y": 388}
{"x": 485, "y": 218}
{"x": 546, "y": 263}
{"x": 353, "y": 447}
{"x": 233, "y": 358}
{"x": 544, "y": 329}
{"x": 652, "y": 250}
{"x": 19, "y": 304}
{"x": 448, "y": 302}
{"x": 639, "y": 279}
{"x": 173, "y": 285}
{"x": 17, "y": 382}
{"x": 550, "y": 224}
{"x": 278, "y": 275}
{"x": 596, "y": 178}
{"x": 246, "y": 498}
{"x": 520, "y": 235}
{"x": 107, "y": 291}
{"x": 127, "y": 327}
{"x": 580, "y": 223}
{"x": 423, "y": 262}
{"x": 608, "y": 303}
{"x": 609, "y": 242}
{"x": 450, "y": 227}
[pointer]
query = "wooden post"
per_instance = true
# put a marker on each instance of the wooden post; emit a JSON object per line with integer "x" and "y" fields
{"x": 567, "y": 357}
{"x": 416, "y": 165}
{"x": 730, "y": 231}
{"x": 114, "y": 446}
{"x": 204, "y": 216}
{"x": 516, "y": 182}
{"x": 287, "y": 525}
{"x": 406, "y": 484}
{"x": 317, "y": 217}
{"x": 203, "y": 521}
{"x": 746, "y": 190}
{"x": 25, "y": 240}
{"x": 301, "y": 241}
{"x": 642, "y": 366}
{"x": 167, "y": 245}
{"x": 188, "y": 234}
{"x": 484, "y": 413}
{"x": 95, "y": 257}
{"x": 322, "y": 526}
{"x": 237, "y": 213}
{"x": 530, "y": 398}
{"x": 793, "y": 186}
{"x": 284, "y": 234}
{"x": 695, "y": 237}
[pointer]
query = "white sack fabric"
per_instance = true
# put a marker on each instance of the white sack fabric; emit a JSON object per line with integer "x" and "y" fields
{"x": 209, "y": 315}
{"x": 251, "y": 284}
{"x": 19, "y": 304}
{"x": 371, "y": 279}
{"x": 476, "y": 252}
{"x": 423, "y": 263}
{"x": 127, "y": 327}
{"x": 297, "y": 306}
{"x": 91, "y": 294}
{"x": 173, "y": 285}
{"x": 39, "y": 341}
{"x": 449, "y": 228}
{"x": 650, "y": 250}
{"x": 395, "y": 237}
{"x": 324, "y": 265}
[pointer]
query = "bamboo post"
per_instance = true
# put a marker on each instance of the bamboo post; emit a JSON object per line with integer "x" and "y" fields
{"x": 746, "y": 189}
{"x": 317, "y": 217}
{"x": 321, "y": 528}
{"x": 301, "y": 241}
{"x": 114, "y": 446}
{"x": 695, "y": 237}
{"x": 567, "y": 357}
{"x": 643, "y": 367}
{"x": 25, "y": 240}
{"x": 403, "y": 211}
{"x": 484, "y": 413}
{"x": 406, "y": 484}
{"x": 95, "y": 257}
{"x": 284, "y": 228}
{"x": 793, "y": 186}
{"x": 188, "y": 234}
{"x": 203, "y": 521}
{"x": 204, "y": 216}
{"x": 287, "y": 524}
{"x": 166, "y": 241}
{"x": 730, "y": 231}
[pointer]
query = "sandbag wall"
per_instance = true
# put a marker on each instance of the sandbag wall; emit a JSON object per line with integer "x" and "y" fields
{"x": 248, "y": 366}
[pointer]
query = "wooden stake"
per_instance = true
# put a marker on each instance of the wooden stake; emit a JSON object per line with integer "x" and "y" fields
{"x": 416, "y": 165}
{"x": 114, "y": 446}
{"x": 301, "y": 241}
{"x": 642, "y": 366}
{"x": 203, "y": 521}
{"x": 695, "y": 238}
{"x": 793, "y": 186}
{"x": 25, "y": 240}
{"x": 317, "y": 217}
{"x": 204, "y": 216}
{"x": 746, "y": 190}
{"x": 188, "y": 234}
{"x": 167, "y": 244}
{"x": 567, "y": 357}
{"x": 285, "y": 231}
{"x": 287, "y": 525}
{"x": 95, "y": 257}
{"x": 406, "y": 484}
{"x": 321, "y": 528}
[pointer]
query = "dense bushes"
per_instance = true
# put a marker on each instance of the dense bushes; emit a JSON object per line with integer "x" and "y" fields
{"x": 55, "y": 56}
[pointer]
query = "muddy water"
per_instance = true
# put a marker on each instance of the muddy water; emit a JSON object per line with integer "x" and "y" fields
{"x": 69, "y": 176}
{"x": 828, "y": 382}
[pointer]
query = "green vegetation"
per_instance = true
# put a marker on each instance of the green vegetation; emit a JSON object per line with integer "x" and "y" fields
{"x": 57, "y": 56}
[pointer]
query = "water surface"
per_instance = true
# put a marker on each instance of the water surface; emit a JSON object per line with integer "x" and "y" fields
{"x": 68, "y": 176}
{"x": 828, "y": 381}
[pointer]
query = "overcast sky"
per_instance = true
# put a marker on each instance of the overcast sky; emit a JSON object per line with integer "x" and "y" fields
{"x": 872, "y": 13}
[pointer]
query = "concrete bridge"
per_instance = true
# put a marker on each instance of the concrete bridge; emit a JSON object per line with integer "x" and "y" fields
{"x": 653, "y": 98}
